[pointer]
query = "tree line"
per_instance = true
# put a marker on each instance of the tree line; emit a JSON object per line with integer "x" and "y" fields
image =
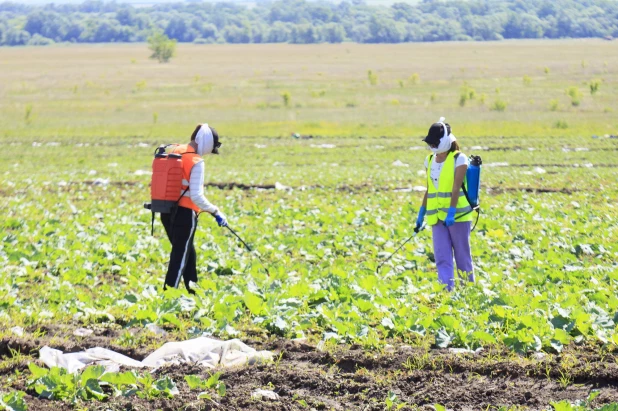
{"x": 301, "y": 21}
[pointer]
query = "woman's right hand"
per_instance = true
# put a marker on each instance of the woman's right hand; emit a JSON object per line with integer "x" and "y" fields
{"x": 221, "y": 220}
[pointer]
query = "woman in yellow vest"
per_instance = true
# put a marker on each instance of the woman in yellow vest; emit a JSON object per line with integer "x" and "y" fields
{"x": 180, "y": 225}
{"x": 445, "y": 205}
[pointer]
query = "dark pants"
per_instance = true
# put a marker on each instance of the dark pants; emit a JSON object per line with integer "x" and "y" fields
{"x": 180, "y": 229}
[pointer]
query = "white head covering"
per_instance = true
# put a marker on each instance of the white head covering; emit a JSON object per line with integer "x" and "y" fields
{"x": 446, "y": 141}
{"x": 204, "y": 140}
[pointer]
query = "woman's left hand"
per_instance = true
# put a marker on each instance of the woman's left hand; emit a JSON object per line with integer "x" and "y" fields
{"x": 450, "y": 217}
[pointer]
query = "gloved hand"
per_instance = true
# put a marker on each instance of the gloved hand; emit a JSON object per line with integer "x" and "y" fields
{"x": 450, "y": 217}
{"x": 221, "y": 220}
{"x": 420, "y": 218}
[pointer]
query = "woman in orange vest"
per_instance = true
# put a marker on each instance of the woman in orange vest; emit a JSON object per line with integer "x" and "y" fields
{"x": 180, "y": 225}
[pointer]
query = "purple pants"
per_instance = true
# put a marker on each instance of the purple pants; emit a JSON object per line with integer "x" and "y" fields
{"x": 446, "y": 240}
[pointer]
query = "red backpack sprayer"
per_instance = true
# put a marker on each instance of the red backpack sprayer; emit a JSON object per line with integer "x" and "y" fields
{"x": 165, "y": 185}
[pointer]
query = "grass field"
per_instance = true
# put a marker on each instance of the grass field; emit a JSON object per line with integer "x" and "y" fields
{"x": 538, "y": 328}
{"x": 112, "y": 91}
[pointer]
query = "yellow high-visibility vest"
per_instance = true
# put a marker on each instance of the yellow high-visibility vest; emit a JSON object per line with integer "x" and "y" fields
{"x": 439, "y": 200}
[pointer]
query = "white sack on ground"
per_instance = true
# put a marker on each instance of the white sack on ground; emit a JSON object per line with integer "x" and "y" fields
{"x": 203, "y": 351}
{"x": 206, "y": 352}
{"x": 73, "y": 362}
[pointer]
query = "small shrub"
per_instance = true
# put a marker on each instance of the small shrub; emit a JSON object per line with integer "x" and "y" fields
{"x": 527, "y": 80}
{"x": 467, "y": 93}
{"x": 575, "y": 95}
{"x": 287, "y": 98}
{"x": 414, "y": 78}
{"x": 553, "y": 105}
{"x": 483, "y": 98}
{"x": 372, "y": 77}
{"x": 155, "y": 118}
{"x": 401, "y": 84}
{"x": 433, "y": 97}
{"x": 594, "y": 86}
{"x": 546, "y": 70}
{"x": 499, "y": 105}
{"x": 561, "y": 124}
{"x": 28, "y": 114}
{"x": 395, "y": 102}
{"x": 140, "y": 85}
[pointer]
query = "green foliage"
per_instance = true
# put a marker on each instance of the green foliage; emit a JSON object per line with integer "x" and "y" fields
{"x": 391, "y": 402}
{"x": 58, "y": 384}
{"x": 499, "y": 105}
{"x": 287, "y": 98}
{"x": 553, "y": 105}
{"x": 561, "y": 124}
{"x": 13, "y": 401}
{"x": 466, "y": 93}
{"x": 372, "y": 77}
{"x": 415, "y": 79}
{"x": 28, "y": 114}
{"x": 594, "y": 86}
{"x": 527, "y": 80}
{"x": 140, "y": 85}
{"x": 208, "y": 386}
{"x": 575, "y": 95}
{"x": 271, "y": 22}
{"x": 162, "y": 47}
{"x": 585, "y": 405}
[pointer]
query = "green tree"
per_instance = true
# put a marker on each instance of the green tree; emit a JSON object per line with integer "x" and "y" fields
{"x": 163, "y": 49}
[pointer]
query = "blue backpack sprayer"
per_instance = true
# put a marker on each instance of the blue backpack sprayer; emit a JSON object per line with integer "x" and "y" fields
{"x": 473, "y": 180}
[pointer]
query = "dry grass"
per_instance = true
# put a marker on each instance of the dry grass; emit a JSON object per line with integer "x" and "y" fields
{"x": 115, "y": 90}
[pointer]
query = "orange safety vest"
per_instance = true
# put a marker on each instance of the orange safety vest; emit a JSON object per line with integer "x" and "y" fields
{"x": 189, "y": 159}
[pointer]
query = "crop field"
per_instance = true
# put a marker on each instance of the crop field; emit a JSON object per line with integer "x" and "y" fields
{"x": 537, "y": 330}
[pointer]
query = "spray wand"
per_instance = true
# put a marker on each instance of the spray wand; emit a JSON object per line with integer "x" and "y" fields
{"x": 416, "y": 231}
{"x": 249, "y": 248}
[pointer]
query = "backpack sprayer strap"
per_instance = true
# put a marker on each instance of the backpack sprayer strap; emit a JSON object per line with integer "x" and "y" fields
{"x": 152, "y": 224}
{"x": 174, "y": 210}
{"x": 475, "y": 207}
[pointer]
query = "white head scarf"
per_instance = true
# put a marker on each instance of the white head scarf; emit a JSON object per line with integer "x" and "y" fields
{"x": 446, "y": 141}
{"x": 204, "y": 140}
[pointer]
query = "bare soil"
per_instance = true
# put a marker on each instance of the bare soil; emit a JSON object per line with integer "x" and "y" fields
{"x": 349, "y": 378}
